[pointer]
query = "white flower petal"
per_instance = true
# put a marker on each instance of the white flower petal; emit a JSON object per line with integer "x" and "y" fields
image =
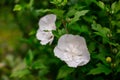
{"x": 72, "y": 63}
{"x": 44, "y": 37}
{"x": 48, "y": 22}
{"x": 69, "y": 40}
{"x": 73, "y": 50}
{"x": 58, "y": 53}
{"x": 62, "y": 54}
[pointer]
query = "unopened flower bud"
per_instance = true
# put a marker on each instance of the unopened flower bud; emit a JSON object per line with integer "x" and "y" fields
{"x": 108, "y": 59}
{"x": 114, "y": 50}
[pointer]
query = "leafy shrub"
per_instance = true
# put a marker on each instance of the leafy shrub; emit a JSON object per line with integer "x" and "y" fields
{"x": 96, "y": 20}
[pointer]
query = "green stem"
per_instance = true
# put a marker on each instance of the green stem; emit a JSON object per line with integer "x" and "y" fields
{"x": 65, "y": 26}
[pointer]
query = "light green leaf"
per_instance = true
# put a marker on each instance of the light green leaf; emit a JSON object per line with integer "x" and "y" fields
{"x": 77, "y": 15}
{"x": 115, "y": 7}
{"x": 17, "y": 7}
{"x": 20, "y": 73}
{"x": 101, "y": 5}
{"x": 30, "y": 3}
{"x": 61, "y": 32}
{"x": 58, "y": 12}
{"x": 32, "y": 32}
{"x": 71, "y": 12}
{"x": 59, "y": 2}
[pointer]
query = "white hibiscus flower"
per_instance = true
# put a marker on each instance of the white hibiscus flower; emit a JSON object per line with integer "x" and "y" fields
{"x": 46, "y": 25}
{"x": 47, "y": 22}
{"x": 73, "y": 50}
{"x": 44, "y": 37}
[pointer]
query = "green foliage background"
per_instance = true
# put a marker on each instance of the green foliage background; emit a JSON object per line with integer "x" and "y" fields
{"x": 24, "y": 58}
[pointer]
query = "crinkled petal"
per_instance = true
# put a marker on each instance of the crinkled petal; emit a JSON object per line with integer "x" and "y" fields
{"x": 72, "y": 63}
{"x": 62, "y": 54}
{"x": 47, "y": 22}
{"x": 77, "y": 61}
{"x": 44, "y": 37}
{"x": 58, "y": 53}
{"x": 69, "y": 40}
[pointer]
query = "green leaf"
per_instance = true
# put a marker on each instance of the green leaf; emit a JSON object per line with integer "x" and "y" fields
{"x": 80, "y": 29}
{"x": 100, "y": 69}
{"x": 64, "y": 71}
{"x": 58, "y": 12}
{"x": 92, "y": 46}
{"x": 101, "y": 4}
{"x": 102, "y": 55}
{"x": 84, "y": 29}
{"x": 32, "y": 32}
{"x": 64, "y": 2}
{"x": 20, "y": 73}
{"x": 77, "y": 15}
{"x": 38, "y": 65}
{"x": 17, "y": 7}
{"x": 61, "y": 32}
{"x": 59, "y": 2}
{"x": 118, "y": 30}
{"x": 101, "y": 31}
{"x": 30, "y": 3}
{"x": 71, "y": 12}
{"x": 115, "y": 7}
{"x": 29, "y": 58}
{"x": 43, "y": 72}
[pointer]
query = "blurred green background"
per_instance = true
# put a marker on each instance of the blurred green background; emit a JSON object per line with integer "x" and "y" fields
{"x": 9, "y": 40}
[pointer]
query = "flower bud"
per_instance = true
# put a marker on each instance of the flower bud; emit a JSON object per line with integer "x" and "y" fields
{"x": 113, "y": 65}
{"x": 114, "y": 50}
{"x": 108, "y": 59}
{"x": 109, "y": 35}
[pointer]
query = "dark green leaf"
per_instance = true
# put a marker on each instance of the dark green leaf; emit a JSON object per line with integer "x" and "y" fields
{"x": 100, "y": 69}
{"x": 64, "y": 72}
{"x": 29, "y": 58}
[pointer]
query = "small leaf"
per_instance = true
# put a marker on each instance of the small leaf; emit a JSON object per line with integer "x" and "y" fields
{"x": 30, "y": 3}
{"x": 61, "y": 32}
{"x": 115, "y": 7}
{"x": 38, "y": 65}
{"x": 64, "y": 72}
{"x": 92, "y": 46}
{"x": 77, "y": 15}
{"x": 29, "y": 58}
{"x": 59, "y": 2}
{"x": 101, "y": 5}
{"x": 20, "y": 73}
{"x": 32, "y": 32}
{"x": 17, "y": 7}
{"x": 71, "y": 12}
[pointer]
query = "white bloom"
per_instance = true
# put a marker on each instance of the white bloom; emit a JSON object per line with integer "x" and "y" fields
{"x": 46, "y": 25}
{"x": 47, "y": 22}
{"x": 73, "y": 50}
{"x": 45, "y": 37}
